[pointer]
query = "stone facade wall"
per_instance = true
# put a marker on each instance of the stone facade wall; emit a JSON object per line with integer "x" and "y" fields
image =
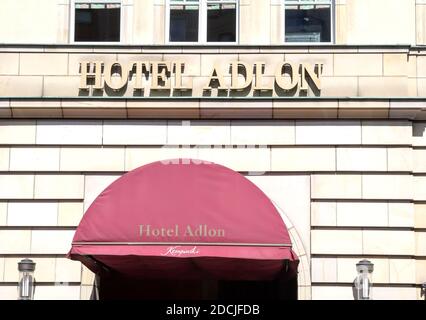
{"x": 349, "y": 188}
{"x": 48, "y": 71}
{"x": 347, "y": 170}
{"x": 356, "y": 22}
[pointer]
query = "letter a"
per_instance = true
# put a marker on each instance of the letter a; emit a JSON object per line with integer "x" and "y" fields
{"x": 216, "y": 76}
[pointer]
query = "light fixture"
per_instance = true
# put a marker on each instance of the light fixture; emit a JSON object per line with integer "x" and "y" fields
{"x": 26, "y": 285}
{"x": 423, "y": 290}
{"x": 363, "y": 284}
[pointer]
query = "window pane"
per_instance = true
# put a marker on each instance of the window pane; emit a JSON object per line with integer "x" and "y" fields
{"x": 184, "y": 23}
{"x": 221, "y": 22}
{"x": 308, "y": 23}
{"x": 97, "y": 22}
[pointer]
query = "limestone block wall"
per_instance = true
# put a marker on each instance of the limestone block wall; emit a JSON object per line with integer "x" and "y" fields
{"x": 362, "y": 22}
{"x": 347, "y": 189}
{"x": 347, "y": 171}
{"x": 420, "y": 22}
{"x": 367, "y": 209}
{"x": 260, "y": 23}
{"x": 28, "y": 21}
{"x": 47, "y": 71}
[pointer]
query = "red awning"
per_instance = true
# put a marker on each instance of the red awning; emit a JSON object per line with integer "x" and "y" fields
{"x": 187, "y": 219}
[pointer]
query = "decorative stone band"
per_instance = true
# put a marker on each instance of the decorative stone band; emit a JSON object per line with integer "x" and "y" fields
{"x": 235, "y": 244}
{"x": 217, "y": 108}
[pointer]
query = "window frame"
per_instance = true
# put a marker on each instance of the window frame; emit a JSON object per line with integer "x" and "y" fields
{"x": 202, "y": 24}
{"x": 72, "y": 23}
{"x": 332, "y": 4}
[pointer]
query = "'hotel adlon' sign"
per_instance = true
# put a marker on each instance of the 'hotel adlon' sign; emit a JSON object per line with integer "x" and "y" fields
{"x": 169, "y": 77}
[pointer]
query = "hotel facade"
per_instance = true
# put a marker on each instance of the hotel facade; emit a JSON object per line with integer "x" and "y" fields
{"x": 320, "y": 104}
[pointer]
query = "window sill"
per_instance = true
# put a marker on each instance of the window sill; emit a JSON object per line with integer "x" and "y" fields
{"x": 180, "y": 44}
{"x": 97, "y": 43}
{"x": 310, "y": 44}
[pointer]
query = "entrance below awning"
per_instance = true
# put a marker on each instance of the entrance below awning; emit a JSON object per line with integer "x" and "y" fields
{"x": 226, "y": 263}
{"x": 184, "y": 219}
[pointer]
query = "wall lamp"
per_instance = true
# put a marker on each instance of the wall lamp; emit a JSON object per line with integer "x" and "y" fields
{"x": 363, "y": 284}
{"x": 26, "y": 284}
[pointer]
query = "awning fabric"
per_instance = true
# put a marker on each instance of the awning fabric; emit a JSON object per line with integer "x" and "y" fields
{"x": 188, "y": 219}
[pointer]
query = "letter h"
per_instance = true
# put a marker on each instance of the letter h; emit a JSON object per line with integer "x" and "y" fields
{"x": 90, "y": 70}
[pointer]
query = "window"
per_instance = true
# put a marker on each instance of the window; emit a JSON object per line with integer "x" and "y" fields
{"x": 96, "y": 21}
{"x": 184, "y": 21}
{"x": 308, "y": 20}
{"x": 202, "y": 21}
{"x": 221, "y": 21}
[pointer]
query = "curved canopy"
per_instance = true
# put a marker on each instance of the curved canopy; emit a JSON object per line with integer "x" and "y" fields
{"x": 189, "y": 216}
